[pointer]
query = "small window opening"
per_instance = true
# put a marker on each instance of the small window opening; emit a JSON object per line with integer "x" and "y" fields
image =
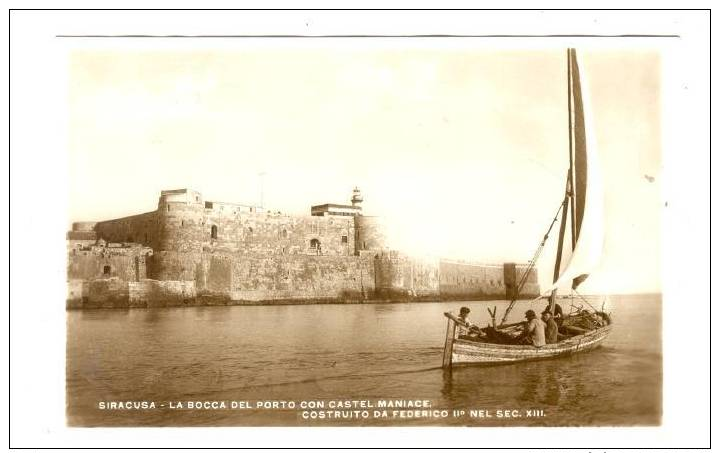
{"x": 344, "y": 239}
{"x": 213, "y": 232}
{"x": 106, "y": 270}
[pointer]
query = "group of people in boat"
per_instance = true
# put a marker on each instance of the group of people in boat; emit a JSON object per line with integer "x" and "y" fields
{"x": 542, "y": 331}
{"x": 536, "y": 331}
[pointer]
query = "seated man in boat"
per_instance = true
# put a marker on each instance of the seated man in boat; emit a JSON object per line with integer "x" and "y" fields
{"x": 534, "y": 330}
{"x": 551, "y": 328}
{"x": 466, "y": 328}
{"x": 558, "y": 315}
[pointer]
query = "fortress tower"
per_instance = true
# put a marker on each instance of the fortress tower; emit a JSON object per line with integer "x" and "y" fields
{"x": 181, "y": 221}
{"x": 369, "y": 231}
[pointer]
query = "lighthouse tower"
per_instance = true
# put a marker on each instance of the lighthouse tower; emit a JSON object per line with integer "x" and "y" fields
{"x": 357, "y": 197}
{"x": 369, "y": 231}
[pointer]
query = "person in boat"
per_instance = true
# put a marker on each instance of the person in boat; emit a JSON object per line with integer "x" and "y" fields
{"x": 534, "y": 330}
{"x": 551, "y": 328}
{"x": 465, "y": 327}
{"x": 558, "y": 314}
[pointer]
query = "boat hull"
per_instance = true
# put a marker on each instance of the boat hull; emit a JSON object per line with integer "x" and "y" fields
{"x": 465, "y": 352}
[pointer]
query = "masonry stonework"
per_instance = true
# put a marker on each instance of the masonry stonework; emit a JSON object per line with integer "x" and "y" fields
{"x": 191, "y": 251}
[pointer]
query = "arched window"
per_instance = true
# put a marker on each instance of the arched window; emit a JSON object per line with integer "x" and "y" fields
{"x": 314, "y": 244}
{"x": 106, "y": 270}
{"x": 213, "y": 232}
{"x": 284, "y": 234}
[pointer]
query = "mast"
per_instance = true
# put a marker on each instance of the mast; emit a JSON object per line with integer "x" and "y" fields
{"x": 561, "y": 237}
{"x": 570, "y": 185}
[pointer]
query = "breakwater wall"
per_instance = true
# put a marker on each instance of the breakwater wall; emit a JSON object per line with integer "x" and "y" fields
{"x": 133, "y": 277}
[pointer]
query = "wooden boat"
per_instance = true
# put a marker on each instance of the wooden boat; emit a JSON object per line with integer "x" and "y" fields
{"x": 583, "y": 198}
{"x": 469, "y": 352}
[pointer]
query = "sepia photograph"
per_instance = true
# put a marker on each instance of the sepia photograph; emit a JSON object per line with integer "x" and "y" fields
{"x": 326, "y": 229}
{"x": 380, "y": 235}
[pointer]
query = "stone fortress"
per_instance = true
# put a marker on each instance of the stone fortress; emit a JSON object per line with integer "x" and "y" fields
{"x": 195, "y": 252}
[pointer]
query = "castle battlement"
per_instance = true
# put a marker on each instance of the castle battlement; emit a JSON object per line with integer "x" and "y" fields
{"x": 189, "y": 249}
{"x": 185, "y": 222}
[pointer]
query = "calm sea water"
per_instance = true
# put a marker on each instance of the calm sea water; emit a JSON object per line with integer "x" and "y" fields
{"x": 347, "y": 352}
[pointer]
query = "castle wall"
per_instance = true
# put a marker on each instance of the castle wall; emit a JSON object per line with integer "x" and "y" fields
{"x": 126, "y": 264}
{"x": 482, "y": 280}
{"x": 276, "y": 234}
{"x": 370, "y": 233}
{"x": 116, "y": 293}
{"x": 531, "y": 288}
{"x": 76, "y": 293}
{"x": 173, "y": 266}
{"x": 141, "y": 229}
{"x": 300, "y": 277}
{"x": 256, "y": 277}
{"x": 153, "y": 293}
{"x": 226, "y": 253}
{"x": 83, "y": 227}
{"x": 464, "y": 279}
{"x": 397, "y": 274}
{"x": 107, "y": 293}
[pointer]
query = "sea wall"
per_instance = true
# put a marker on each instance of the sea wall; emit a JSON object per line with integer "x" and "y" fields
{"x": 398, "y": 275}
{"x": 483, "y": 281}
{"x": 124, "y": 263}
{"x": 154, "y": 293}
{"x": 117, "y": 293}
{"x": 105, "y": 293}
{"x": 168, "y": 278}
{"x": 257, "y": 277}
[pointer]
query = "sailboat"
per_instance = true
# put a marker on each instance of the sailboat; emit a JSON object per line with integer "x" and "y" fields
{"x": 582, "y": 210}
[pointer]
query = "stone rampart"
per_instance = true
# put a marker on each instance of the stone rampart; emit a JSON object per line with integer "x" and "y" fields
{"x": 141, "y": 229}
{"x": 154, "y": 293}
{"x": 124, "y": 263}
{"x": 482, "y": 281}
{"x": 398, "y": 275}
{"x": 277, "y": 234}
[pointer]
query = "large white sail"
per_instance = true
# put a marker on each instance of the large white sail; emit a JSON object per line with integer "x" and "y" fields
{"x": 588, "y": 188}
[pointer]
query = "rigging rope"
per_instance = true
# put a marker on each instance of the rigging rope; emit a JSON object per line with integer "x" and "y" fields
{"x": 530, "y": 266}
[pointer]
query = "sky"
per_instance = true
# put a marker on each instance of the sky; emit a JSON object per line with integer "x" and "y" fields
{"x": 463, "y": 151}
